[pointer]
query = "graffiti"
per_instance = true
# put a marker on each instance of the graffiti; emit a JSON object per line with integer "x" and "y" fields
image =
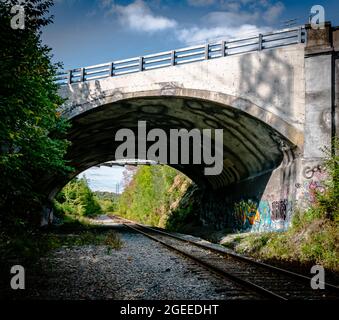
{"x": 264, "y": 213}
{"x": 253, "y": 216}
{"x": 309, "y": 172}
{"x": 314, "y": 183}
{"x": 279, "y": 209}
{"x": 311, "y": 189}
{"x": 246, "y": 214}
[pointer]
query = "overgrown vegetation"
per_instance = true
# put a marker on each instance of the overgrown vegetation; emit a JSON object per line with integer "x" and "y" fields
{"x": 151, "y": 194}
{"x": 314, "y": 233}
{"x": 32, "y": 132}
{"x": 107, "y": 200}
{"x": 26, "y": 246}
{"x": 78, "y": 200}
{"x": 179, "y": 217}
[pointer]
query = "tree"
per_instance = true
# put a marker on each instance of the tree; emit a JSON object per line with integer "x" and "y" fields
{"x": 77, "y": 199}
{"x": 32, "y": 133}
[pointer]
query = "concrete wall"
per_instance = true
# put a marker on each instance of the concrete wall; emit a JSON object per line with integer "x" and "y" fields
{"x": 336, "y": 117}
{"x": 318, "y": 105}
{"x": 263, "y": 203}
{"x": 320, "y": 112}
{"x": 271, "y": 80}
{"x": 336, "y": 79}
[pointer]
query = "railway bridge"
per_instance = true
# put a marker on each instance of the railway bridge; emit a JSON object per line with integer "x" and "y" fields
{"x": 275, "y": 96}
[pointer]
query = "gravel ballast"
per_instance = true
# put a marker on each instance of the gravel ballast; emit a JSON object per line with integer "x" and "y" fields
{"x": 141, "y": 269}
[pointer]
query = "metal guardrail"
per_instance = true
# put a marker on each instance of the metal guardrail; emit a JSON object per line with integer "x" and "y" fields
{"x": 130, "y": 162}
{"x": 202, "y": 52}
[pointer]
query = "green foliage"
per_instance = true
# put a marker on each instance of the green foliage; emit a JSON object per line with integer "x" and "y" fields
{"x": 32, "y": 133}
{"x": 77, "y": 199}
{"x": 179, "y": 218}
{"x": 108, "y": 206}
{"x": 108, "y": 201}
{"x": 328, "y": 202}
{"x": 148, "y": 196}
{"x": 322, "y": 246}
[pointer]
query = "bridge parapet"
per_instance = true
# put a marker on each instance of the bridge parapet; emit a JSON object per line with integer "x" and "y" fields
{"x": 181, "y": 56}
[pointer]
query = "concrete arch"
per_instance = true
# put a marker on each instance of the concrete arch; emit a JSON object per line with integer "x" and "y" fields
{"x": 100, "y": 98}
{"x": 256, "y": 141}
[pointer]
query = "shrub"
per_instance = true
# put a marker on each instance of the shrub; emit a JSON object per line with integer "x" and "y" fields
{"x": 77, "y": 199}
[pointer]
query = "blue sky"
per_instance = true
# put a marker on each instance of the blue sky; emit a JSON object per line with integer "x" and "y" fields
{"x": 90, "y": 32}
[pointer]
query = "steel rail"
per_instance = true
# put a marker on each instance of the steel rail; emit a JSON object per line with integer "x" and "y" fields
{"x": 220, "y": 272}
{"x": 245, "y": 259}
{"x": 239, "y": 257}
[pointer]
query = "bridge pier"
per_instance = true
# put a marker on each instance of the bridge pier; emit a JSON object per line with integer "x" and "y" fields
{"x": 47, "y": 214}
{"x": 321, "y": 81}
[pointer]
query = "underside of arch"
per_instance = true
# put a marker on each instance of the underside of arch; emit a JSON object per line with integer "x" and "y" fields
{"x": 252, "y": 145}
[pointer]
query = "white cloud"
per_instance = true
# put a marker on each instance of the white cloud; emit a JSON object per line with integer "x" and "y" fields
{"x": 139, "y": 17}
{"x": 273, "y": 12}
{"x": 229, "y": 19}
{"x": 230, "y": 5}
{"x": 104, "y": 178}
{"x": 196, "y": 34}
{"x": 240, "y": 19}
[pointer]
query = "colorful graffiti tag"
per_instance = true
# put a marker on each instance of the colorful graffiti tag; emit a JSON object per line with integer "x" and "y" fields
{"x": 257, "y": 216}
{"x": 245, "y": 214}
{"x": 314, "y": 184}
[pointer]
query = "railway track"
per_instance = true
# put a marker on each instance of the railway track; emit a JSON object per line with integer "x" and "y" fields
{"x": 266, "y": 280}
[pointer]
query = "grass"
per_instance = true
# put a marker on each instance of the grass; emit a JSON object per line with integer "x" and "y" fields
{"x": 27, "y": 245}
{"x": 79, "y": 231}
{"x": 309, "y": 241}
{"x": 88, "y": 237}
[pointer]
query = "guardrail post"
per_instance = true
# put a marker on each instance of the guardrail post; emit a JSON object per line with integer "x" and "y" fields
{"x": 82, "y": 75}
{"x": 299, "y": 35}
{"x": 223, "y": 48}
{"x": 111, "y": 69}
{"x": 207, "y": 50}
{"x": 141, "y": 63}
{"x": 173, "y": 58}
{"x": 69, "y": 80}
{"x": 260, "y": 42}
